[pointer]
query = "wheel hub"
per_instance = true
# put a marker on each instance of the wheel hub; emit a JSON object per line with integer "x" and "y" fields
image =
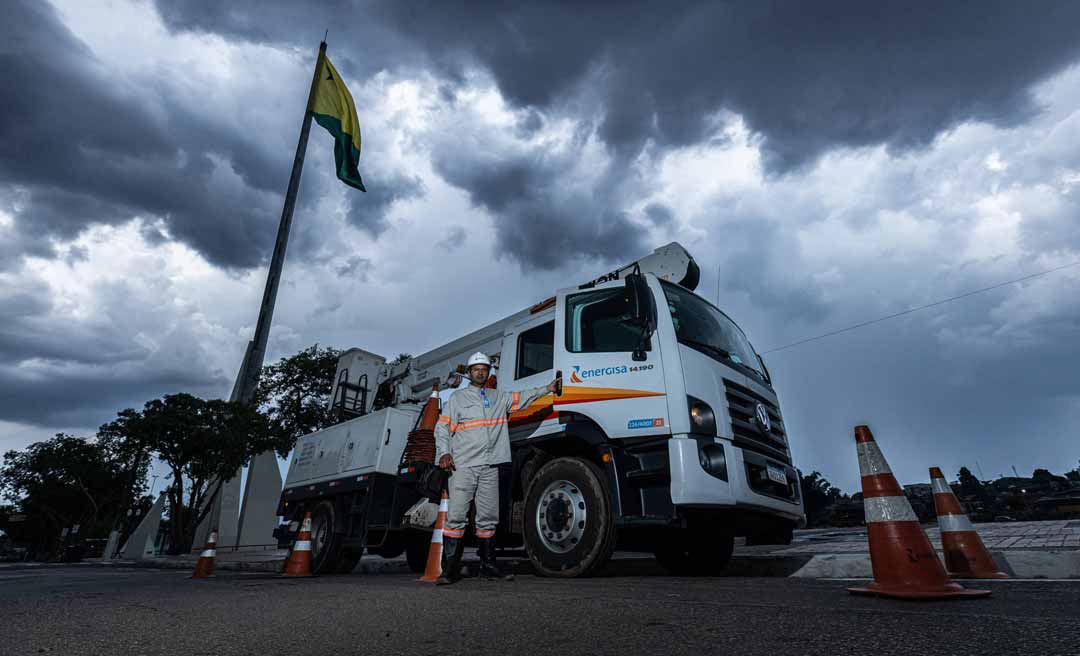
{"x": 320, "y": 535}
{"x": 561, "y": 516}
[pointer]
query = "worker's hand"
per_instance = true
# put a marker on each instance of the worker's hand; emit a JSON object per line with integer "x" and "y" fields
{"x": 447, "y": 462}
{"x": 555, "y": 386}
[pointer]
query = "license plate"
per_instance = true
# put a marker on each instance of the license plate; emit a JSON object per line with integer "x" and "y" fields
{"x": 776, "y": 475}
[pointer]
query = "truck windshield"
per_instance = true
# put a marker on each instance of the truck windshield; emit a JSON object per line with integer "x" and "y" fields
{"x": 703, "y": 328}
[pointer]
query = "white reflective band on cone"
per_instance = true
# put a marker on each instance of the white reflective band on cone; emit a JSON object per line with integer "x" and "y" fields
{"x": 888, "y": 509}
{"x": 436, "y": 536}
{"x": 209, "y": 553}
{"x": 213, "y": 538}
{"x": 444, "y": 506}
{"x": 870, "y": 459}
{"x": 940, "y": 486}
{"x": 302, "y": 545}
{"x": 948, "y": 523}
{"x": 307, "y": 524}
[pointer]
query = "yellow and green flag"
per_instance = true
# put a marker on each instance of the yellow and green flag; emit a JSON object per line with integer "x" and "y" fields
{"x": 333, "y": 108}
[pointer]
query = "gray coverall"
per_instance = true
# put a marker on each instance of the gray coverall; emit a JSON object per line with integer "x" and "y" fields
{"x": 474, "y": 430}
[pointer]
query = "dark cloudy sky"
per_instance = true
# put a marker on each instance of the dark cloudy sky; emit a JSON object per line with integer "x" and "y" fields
{"x": 826, "y": 163}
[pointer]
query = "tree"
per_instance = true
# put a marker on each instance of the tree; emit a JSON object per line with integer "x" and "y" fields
{"x": 295, "y": 391}
{"x": 971, "y": 486}
{"x": 70, "y": 480}
{"x": 818, "y": 494}
{"x": 202, "y": 442}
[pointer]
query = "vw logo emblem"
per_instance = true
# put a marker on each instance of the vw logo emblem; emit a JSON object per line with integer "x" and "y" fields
{"x": 762, "y": 415}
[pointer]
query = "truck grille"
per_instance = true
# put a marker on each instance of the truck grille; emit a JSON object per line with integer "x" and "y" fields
{"x": 742, "y": 404}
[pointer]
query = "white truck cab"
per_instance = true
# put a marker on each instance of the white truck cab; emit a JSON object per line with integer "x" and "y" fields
{"x": 667, "y": 436}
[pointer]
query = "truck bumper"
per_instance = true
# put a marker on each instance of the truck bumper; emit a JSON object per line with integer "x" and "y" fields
{"x": 746, "y": 486}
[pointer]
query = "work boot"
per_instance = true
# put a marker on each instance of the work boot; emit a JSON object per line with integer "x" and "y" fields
{"x": 489, "y": 569}
{"x": 451, "y": 561}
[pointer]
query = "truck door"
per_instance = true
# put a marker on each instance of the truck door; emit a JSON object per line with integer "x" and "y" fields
{"x": 528, "y": 360}
{"x": 595, "y": 340}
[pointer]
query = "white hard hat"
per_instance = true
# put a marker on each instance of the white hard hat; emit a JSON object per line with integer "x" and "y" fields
{"x": 478, "y": 358}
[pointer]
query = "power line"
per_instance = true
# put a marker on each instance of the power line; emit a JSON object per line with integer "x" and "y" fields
{"x": 921, "y": 307}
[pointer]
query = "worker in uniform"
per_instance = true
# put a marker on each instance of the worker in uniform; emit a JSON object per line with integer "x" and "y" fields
{"x": 472, "y": 439}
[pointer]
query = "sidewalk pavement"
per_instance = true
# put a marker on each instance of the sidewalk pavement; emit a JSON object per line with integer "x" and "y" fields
{"x": 1022, "y": 549}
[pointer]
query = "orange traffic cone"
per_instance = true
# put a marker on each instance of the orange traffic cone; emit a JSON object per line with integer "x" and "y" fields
{"x": 965, "y": 554}
{"x": 905, "y": 565}
{"x": 434, "y": 557}
{"x": 204, "y": 568}
{"x": 299, "y": 562}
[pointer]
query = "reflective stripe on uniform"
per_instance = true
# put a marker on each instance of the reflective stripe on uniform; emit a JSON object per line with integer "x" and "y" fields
{"x": 888, "y": 509}
{"x": 940, "y": 486}
{"x": 515, "y": 402}
{"x": 302, "y": 545}
{"x": 484, "y": 534}
{"x": 871, "y": 462}
{"x": 476, "y": 423}
{"x": 950, "y": 523}
{"x": 453, "y": 532}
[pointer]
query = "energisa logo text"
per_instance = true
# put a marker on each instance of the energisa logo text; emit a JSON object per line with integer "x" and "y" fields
{"x": 581, "y": 374}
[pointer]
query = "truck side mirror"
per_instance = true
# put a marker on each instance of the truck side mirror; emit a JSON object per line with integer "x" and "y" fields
{"x": 642, "y": 310}
{"x": 641, "y": 301}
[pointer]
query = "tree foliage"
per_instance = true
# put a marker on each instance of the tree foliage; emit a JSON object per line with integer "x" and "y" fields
{"x": 70, "y": 480}
{"x": 818, "y": 495}
{"x": 970, "y": 486}
{"x": 202, "y": 442}
{"x": 295, "y": 391}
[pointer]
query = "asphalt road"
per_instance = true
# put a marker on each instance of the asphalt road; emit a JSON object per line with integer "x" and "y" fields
{"x": 112, "y": 610}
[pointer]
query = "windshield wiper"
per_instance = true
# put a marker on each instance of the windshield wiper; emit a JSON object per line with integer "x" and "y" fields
{"x": 708, "y": 347}
{"x": 723, "y": 353}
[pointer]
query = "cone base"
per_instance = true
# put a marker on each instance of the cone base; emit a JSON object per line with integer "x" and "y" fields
{"x": 987, "y": 575}
{"x": 204, "y": 576}
{"x": 294, "y": 576}
{"x": 948, "y": 591}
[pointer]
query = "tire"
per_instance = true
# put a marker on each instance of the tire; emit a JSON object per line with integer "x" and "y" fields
{"x": 417, "y": 546}
{"x": 696, "y": 552}
{"x": 326, "y": 542}
{"x": 568, "y": 494}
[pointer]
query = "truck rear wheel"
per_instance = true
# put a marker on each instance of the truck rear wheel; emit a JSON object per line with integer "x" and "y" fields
{"x": 569, "y": 530}
{"x": 697, "y": 552}
{"x": 326, "y": 543}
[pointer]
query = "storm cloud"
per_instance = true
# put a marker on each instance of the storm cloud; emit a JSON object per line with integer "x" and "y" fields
{"x": 645, "y": 77}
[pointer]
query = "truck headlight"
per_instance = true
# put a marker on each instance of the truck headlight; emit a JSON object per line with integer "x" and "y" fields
{"x": 702, "y": 419}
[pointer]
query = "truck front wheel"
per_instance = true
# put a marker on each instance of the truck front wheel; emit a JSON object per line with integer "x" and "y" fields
{"x": 569, "y": 530}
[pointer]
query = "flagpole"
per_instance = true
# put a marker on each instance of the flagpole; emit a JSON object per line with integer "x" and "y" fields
{"x": 247, "y": 380}
{"x": 266, "y": 312}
